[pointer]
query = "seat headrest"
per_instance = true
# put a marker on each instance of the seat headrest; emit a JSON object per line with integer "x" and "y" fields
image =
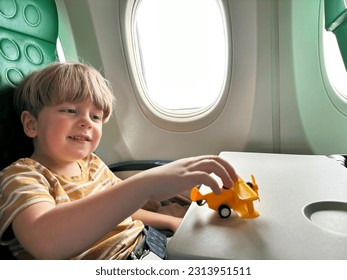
{"x": 28, "y": 37}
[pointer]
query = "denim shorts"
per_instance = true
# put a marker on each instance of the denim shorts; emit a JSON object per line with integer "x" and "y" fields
{"x": 151, "y": 247}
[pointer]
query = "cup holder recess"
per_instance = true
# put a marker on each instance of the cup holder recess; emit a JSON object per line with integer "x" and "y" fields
{"x": 329, "y": 215}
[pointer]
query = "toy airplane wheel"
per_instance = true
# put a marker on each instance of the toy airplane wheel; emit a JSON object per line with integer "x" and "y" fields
{"x": 224, "y": 211}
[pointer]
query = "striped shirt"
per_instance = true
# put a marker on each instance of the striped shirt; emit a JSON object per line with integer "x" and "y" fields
{"x": 26, "y": 182}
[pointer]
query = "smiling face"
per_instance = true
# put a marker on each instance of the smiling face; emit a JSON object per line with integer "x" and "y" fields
{"x": 64, "y": 133}
{"x": 62, "y": 108}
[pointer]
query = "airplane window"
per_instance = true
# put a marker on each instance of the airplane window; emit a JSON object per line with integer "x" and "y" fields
{"x": 60, "y": 51}
{"x": 334, "y": 64}
{"x": 181, "y": 53}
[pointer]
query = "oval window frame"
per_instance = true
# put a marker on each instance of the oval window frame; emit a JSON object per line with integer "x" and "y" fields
{"x": 338, "y": 99}
{"x": 161, "y": 117}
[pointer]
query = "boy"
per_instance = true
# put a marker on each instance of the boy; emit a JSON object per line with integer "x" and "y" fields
{"x": 63, "y": 202}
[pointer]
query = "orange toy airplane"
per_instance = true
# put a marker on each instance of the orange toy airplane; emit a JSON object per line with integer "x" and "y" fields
{"x": 239, "y": 198}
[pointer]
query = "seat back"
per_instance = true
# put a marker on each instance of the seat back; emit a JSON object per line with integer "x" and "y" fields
{"x": 28, "y": 38}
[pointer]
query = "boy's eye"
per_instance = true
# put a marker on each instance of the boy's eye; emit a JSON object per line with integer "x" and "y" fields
{"x": 96, "y": 117}
{"x": 69, "y": 110}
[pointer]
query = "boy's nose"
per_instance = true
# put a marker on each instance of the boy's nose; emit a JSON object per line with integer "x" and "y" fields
{"x": 85, "y": 122}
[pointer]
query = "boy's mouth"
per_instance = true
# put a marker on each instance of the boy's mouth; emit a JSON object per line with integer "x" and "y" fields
{"x": 80, "y": 138}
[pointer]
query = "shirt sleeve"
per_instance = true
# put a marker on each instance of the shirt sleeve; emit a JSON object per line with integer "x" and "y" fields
{"x": 20, "y": 186}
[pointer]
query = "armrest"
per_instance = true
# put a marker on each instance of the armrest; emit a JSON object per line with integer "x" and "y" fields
{"x": 339, "y": 158}
{"x": 136, "y": 165}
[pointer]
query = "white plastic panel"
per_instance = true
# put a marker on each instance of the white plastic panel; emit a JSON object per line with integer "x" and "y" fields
{"x": 302, "y": 215}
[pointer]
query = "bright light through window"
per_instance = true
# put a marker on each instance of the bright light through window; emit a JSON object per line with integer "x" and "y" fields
{"x": 181, "y": 52}
{"x": 60, "y": 51}
{"x": 334, "y": 64}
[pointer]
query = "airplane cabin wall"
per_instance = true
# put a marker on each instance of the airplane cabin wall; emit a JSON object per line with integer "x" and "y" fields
{"x": 269, "y": 106}
{"x": 322, "y": 111}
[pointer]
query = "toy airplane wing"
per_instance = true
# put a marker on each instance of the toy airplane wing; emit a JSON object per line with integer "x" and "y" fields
{"x": 245, "y": 192}
{"x": 246, "y": 210}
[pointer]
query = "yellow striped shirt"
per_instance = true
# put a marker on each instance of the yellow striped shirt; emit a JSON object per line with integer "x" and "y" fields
{"x": 26, "y": 182}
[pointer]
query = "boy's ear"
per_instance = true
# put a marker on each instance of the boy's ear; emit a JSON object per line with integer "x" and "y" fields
{"x": 29, "y": 124}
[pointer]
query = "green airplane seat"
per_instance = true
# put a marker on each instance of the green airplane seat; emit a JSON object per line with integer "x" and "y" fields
{"x": 28, "y": 38}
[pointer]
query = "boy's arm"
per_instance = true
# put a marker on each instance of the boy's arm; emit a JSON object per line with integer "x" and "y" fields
{"x": 59, "y": 232}
{"x": 157, "y": 220}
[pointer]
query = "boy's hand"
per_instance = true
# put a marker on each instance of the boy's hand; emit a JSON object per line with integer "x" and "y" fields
{"x": 183, "y": 174}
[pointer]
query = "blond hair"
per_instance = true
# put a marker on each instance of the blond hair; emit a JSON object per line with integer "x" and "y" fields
{"x": 63, "y": 82}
